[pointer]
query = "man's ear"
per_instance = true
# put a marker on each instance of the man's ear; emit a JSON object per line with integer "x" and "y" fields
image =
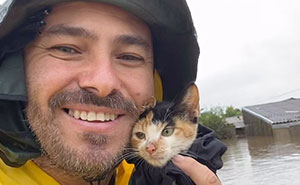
{"x": 149, "y": 103}
{"x": 190, "y": 100}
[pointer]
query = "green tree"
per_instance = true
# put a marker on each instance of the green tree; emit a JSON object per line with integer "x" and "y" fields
{"x": 215, "y": 120}
{"x": 231, "y": 111}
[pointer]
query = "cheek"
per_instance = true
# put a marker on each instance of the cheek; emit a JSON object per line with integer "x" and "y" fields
{"x": 136, "y": 143}
{"x": 165, "y": 144}
{"x": 45, "y": 77}
{"x": 186, "y": 130}
{"x": 140, "y": 86}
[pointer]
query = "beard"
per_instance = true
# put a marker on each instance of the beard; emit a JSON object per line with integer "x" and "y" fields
{"x": 92, "y": 163}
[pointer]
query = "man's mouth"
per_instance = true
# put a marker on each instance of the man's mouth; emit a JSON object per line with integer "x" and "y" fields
{"x": 91, "y": 116}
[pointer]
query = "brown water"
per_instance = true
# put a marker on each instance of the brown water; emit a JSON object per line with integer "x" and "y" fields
{"x": 261, "y": 161}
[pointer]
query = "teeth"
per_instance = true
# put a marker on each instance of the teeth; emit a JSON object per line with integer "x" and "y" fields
{"x": 71, "y": 113}
{"x": 92, "y": 116}
{"x": 76, "y": 114}
{"x": 112, "y": 116}
{"x": 100, "y": 117}
{"x": 107, "y": 117}
{"x": 83, "y": 115}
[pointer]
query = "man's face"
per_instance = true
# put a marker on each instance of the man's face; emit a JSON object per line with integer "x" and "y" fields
{"x": 87, "y": 74}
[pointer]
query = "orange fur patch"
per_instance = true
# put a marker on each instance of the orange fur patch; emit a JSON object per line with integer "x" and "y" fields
{"x": 185, "y": 128}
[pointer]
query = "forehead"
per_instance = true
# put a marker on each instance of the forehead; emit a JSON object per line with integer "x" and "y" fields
{"x": 96, "y": 16}
{"x": 92, "y": 7}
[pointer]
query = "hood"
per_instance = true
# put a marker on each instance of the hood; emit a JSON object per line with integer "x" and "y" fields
{"x": 176, "y": 54}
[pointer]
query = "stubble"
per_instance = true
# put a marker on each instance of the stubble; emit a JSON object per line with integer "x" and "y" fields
{"x": 95, "y": 162}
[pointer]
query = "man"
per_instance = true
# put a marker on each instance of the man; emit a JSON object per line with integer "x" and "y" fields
{"x": 88, "y": 67}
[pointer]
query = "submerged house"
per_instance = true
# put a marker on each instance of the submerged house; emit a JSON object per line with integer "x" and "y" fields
{"x": 278, "y": 119}
{"x": 238, "y": 123}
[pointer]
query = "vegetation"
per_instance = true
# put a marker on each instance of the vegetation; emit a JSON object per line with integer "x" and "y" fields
{"x": 215, "y": 119}
{"x": 231, "y": 111}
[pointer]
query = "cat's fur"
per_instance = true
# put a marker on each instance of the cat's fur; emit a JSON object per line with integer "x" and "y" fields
{"x": 166, "y": 128}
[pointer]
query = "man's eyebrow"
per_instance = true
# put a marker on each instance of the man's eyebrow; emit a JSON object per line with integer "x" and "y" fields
{"x": 61, "y": 29}
{"x": 133, "y": 40}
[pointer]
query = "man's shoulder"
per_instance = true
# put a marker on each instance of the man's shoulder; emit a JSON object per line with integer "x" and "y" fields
{"x": 24, "y": 175}
{"x": 33, "y": 175}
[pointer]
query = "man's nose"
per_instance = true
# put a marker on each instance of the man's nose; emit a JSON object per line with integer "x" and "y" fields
{"x": 99, "y": 77}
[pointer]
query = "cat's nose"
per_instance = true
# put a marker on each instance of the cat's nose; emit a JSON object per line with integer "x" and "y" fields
{"x": 151, "y": 148}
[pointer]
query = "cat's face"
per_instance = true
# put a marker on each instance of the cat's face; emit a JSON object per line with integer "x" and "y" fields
{"x": 167, "y": 128}
{"x": 158, "y": 142}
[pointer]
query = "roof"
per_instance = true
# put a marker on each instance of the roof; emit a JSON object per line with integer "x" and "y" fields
{"x": 286, "y": 111}
{"x": 237, "y": 121}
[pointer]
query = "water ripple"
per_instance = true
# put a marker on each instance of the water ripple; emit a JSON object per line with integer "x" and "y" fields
{"x": 261, "y": 161}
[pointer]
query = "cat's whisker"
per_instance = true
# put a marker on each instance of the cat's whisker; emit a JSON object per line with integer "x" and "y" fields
{"x": 130, "y": 152}
{"x": 132, "y": 155}
{"x": 140, "y": 161}
{"x": 119, "y": 160}
{"x": 127, "y": 158}
{"x": 132, "y": 159}
{"x": 129, "y": 155}
{"x": 130, "y": 148}
{"x": 122, "y": 157}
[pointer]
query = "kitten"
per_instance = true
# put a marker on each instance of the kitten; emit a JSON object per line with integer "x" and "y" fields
{"x": 166, "y": 129}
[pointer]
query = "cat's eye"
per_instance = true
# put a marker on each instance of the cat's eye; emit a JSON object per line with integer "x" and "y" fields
{"x": 140, "y": 135}
{"x": 167, "y": 131}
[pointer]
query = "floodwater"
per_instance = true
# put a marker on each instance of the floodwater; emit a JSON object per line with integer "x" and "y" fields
{"x": 261, "y": 161}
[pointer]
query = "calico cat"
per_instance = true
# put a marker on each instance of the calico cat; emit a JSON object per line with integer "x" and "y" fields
{"x": 166, "y": 129}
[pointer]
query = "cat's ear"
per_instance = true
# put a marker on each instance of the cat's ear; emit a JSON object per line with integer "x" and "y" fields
{"x": 149, "y": 103}
{"x": 190, "y": 100}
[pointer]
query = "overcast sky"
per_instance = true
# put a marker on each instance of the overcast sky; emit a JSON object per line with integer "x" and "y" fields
{"x": 250, "y": 51}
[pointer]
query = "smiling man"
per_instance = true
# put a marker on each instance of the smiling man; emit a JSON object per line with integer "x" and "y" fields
{"x": 74, "y": 76}
{"x": 84, "y": 82}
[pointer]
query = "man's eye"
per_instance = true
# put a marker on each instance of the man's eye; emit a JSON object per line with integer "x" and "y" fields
{"x": 64, "y": 49}
{"x": 128, "y": 57}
